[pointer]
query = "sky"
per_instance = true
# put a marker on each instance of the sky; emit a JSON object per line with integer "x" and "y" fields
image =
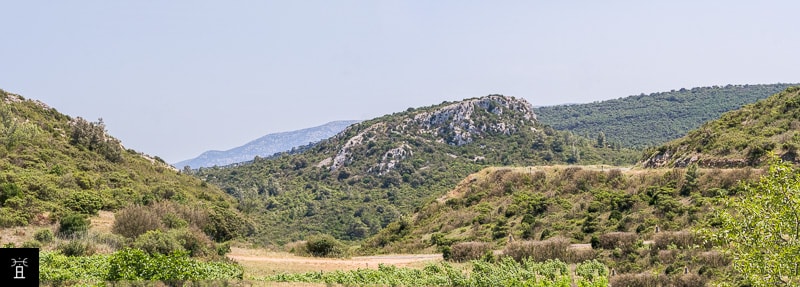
{"x": 176, "y": 78}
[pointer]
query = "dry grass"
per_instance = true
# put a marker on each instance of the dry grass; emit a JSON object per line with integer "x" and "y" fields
{"x": 466, "y": 251}
{"x": 553, "y": 248}
{"x": 103, "y": 222}
{"x": 259, "y": 262}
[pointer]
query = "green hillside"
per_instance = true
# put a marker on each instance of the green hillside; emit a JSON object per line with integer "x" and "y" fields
{"x": 55, "y": 166}
{"x": 742, "y": 137}
{"x": 654, "y": 119}
{"x": 634, "y": 221}
{"x": 380, "y": 170}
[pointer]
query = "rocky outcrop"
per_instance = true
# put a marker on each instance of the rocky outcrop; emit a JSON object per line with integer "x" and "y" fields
{"x": 457, "y": 124}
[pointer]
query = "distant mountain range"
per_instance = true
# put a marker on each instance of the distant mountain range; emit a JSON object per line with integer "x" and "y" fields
{"x": 266, "y": 146}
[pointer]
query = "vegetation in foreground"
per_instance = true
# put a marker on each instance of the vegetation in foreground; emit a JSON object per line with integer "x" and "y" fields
{"x": 505, "y": 272}
{"x": 131, "y": 265}
{"x": 760, "y": 229}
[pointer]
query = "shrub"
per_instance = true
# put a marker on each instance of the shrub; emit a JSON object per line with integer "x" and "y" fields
{"x": 194, "y": 241}
{"x": 44, "y": 236}
{"x": 113, "y": 241}
{"x": 639, "y": 280}
{"x": 73, "y": 225}
{"x": 466, "y": 251}
{"x": 580, "y": 255}
{"x": 714, "y": 259}
{"x": 689, "y": 280}
{"x": 224, "y": 224}
{"x": 157, "y": 242}
{"x": 135, "y": 220}
{"x": 538, "y": 251}
{"x": 681, "y": 239}
{"x": 324, "y": 246}
{"x": 621, "y": 240}
{"x": 32, "y": 244}
{"x": 85, "y": 202}
{"x": 134, "y": 264}
{"x": 77, "y": 248}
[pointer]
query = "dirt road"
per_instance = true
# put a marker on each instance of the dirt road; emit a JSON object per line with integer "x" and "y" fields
{"x": 262, "y": 263}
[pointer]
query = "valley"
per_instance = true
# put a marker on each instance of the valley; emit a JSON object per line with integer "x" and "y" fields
{"x": 466, "y": 193}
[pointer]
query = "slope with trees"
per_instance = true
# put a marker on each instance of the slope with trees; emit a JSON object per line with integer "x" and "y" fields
{"x": 636, "y": 221}
{"x": 377, "y": 171}
{"x": 743, "y": 137}
{"x": 651, "y": 120}
{"x": 59, "y": 171}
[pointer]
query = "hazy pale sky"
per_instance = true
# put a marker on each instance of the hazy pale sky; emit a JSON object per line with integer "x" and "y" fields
{"x": 176, "y": 78}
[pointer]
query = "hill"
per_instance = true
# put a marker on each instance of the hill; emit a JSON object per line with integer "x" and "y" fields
{"x": 743, "y": 137}
{"x": 633, "y": 221}
{"x": 266, "y": 146}
{"x": 654, "y": 119}
{"x": 55, "y": 166}
{"x": 377, "y": 171}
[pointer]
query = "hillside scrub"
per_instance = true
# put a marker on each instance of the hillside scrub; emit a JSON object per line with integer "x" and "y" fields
{"x": 739, "y": 138}
{"x": 57, "y": 168}
{"x": 381, "y": 170}
{"x": 636, "y": 221}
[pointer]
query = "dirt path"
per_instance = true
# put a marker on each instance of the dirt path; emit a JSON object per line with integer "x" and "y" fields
{"x": 263, "y": 263}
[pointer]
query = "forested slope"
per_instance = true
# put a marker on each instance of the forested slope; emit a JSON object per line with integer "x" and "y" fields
{"x": 380, "y": 170}
{"x": 654, "y": 119}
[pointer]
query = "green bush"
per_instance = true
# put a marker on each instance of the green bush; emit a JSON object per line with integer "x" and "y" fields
{"x": 195, "y": 242}
{"x": 85, "y": 202}
{"x": 77, "y": 248}
{"x": 324, "y": 246}
{"x": 73, "y": 225}
{"x": 32, "y": 244}
{"x": 157, "y": 242}
{"x": 44, "y": 236}
{"x": 135, "y": 264}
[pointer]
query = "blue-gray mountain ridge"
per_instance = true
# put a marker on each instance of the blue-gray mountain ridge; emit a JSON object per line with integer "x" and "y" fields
{"x": 266, "y": 146}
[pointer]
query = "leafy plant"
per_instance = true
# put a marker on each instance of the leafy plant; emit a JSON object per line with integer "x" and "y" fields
{"x": 44, "y": 236}
{"x": 762, "y": 228}
{"x": 324, "y": 246}
{"x": 73, "y": 225}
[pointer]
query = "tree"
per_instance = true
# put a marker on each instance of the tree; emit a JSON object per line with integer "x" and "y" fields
{"x": 601, "y": 140}
{"x": 690, "y": 180}
{"x": 12, "y": 131}
{"x": 761, "y": 228}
